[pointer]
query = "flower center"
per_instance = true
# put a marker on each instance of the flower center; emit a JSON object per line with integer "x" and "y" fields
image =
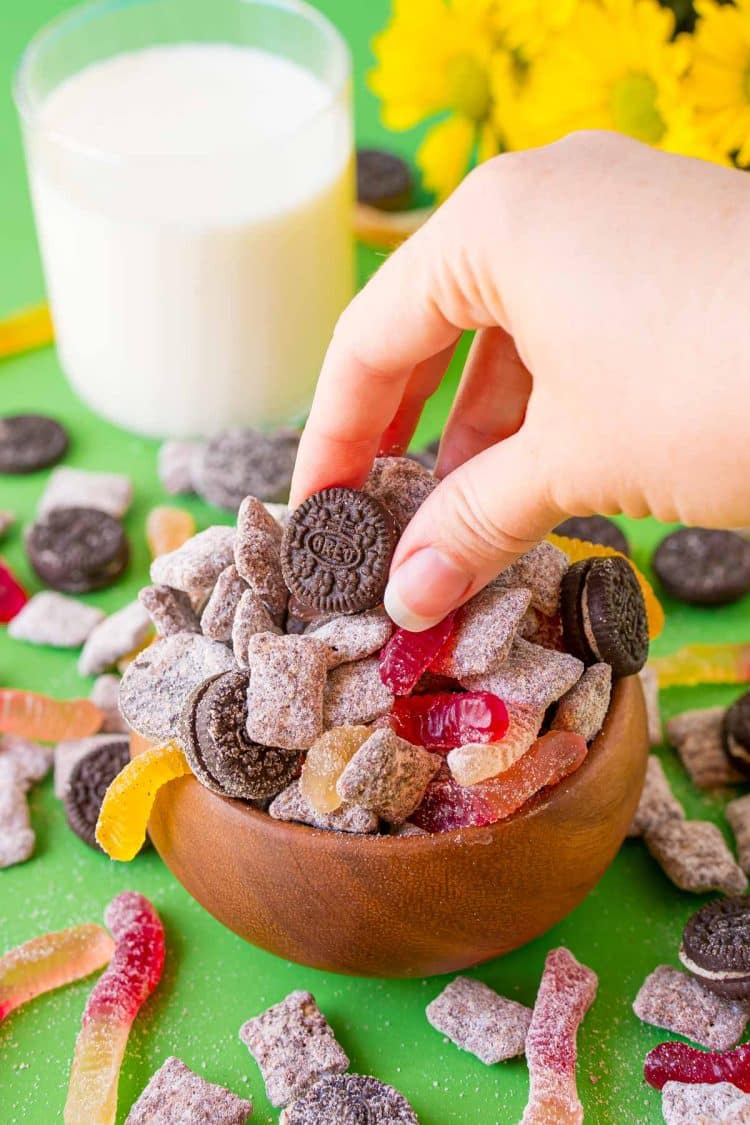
{"x": 634, "y": 109}
{"x": 469, "y": 88}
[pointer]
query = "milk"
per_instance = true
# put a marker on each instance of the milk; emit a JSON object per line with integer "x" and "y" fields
{"x": 193, "y": 209}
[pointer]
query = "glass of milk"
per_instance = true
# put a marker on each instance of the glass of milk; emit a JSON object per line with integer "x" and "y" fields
{"x": 190, "y": 167}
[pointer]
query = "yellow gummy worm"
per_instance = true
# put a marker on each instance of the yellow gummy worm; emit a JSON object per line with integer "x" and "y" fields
{"x": 24, "y": 330}
{"x": 127, "y": 804}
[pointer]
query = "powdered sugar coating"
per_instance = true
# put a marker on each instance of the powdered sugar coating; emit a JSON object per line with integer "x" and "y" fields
{"x": 118, "y": 635}
{"x": 353, "y": 637}
{"x": 49, "y": 618}
{"x": 479, "y": 1020}
{"x": 532, "y": 675}
{"x": 195, "y": 566}
{"x": 175, "y": 1095}
{"x": 540, "y": 570}
{"x": 175, "y": 465}
{"x": 251, "y": 617}
{"x": 258, "y": 554}
{"x": 350, "y": 1099}
{"x": 583, "y": 709}
{"x": 738, "y": 815}
{"x": 294, "y": 1045}
{"x": 679, "y": 1003}
{"x": 720, "y": 1103}
{"x": 401, "y": 484}
{"x": 285, "y": 694}
{"x": 105, "y": 694}
{"x": 291, "y": 804}
{"x": 696, "y": 736}
{"x": 30, "y": 761}
{"x": 355, "y": 694}
{"x": 388, "y": 775}
{"x": 219, "y": 610}
{"x": 171, "y": 611}
{"x": 657, "y": 802}
{"x": 484, "y": 632}
{"x": 79, "y": 488}
{"x": 694, "y": 855}
{"x": 16, "y": 834}
{"x": 137, "y": 962}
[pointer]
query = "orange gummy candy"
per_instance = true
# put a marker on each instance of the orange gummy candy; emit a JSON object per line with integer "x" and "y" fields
{"x": 48, "y": 720}
{"x": 24, "y": 330}
{"x": 325, "y": 762}
{"x": 703, "y": 664}
{"x": 578, "y": 549}
{"x": 50, "y": 961}
{"x": 167, "y": 529}
{"x": 127, "y": 804}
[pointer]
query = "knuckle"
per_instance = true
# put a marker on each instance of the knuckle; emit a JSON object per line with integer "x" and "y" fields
{"x": 467, "y": 524}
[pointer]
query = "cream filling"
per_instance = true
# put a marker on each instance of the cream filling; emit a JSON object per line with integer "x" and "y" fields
{"x": 738, "y": 750}
{"x": 586, "y": 619}
{"x": 712, "y": 974}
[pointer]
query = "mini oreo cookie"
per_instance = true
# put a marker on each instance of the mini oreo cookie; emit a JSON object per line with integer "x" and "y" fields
{"x": 704, "y": 567}
{"x": 219, "y": 751}
{"x": 350, "y": 1098}
{"x": 29, "y": 442}
{"x": 595, "y": 529}
{"x": 88, "y": 782}
{"x": 384, "y": 180}
{"x": 239, "y": 463}
{"x": 736, "y": 733}
{"x": 716, "y": 946}
{"x": 604, "y": 614}
{"x": 336, "y": 551}
{"x": 77, "y": 550}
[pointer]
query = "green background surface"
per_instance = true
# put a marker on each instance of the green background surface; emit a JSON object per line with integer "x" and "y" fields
{"x": 213, "y": 981}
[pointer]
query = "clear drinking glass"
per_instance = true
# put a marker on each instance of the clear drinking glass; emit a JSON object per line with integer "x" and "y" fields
{"x": 193, "y": 212}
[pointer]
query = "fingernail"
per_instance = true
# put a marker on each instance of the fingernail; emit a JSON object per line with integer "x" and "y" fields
{"x": 424, "y": 588}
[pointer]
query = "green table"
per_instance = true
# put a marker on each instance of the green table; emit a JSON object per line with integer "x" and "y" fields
{"x": 213, "y": 981}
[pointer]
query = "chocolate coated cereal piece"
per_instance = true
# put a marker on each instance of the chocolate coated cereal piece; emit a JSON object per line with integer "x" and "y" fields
{"x": 716, "y": 946}
{"x": 583, "y": 709}
{"x": 285, "y": 695}
{"x": 251, "y": 617}
{"x": 735, "y": 732}
{"x": 69, "y": 753}
{"x": 105, "y": 694}
{"x": 401, "y": 485}
{"x": 16, "y": 834}
{"x": 738, "y": 815}
{"x": 196, "y": 565}
{"x": 694, "y": 855}
{"x": 477, "y": 1019}
{"x": 291, "y": 804}
{"x": 293, "y": 1045}
{"x": 78, "y": 488}
{"x": 257, "y": 555}
{"x": 219, "y": 751}
{"x": 30, "y": 761}
{"x": 657, "y": 801}
{"x": 344, "y": 1098}
{"x": 218, "y": 613}
{"x": 702, "y": 1103}
{"x": 703, "y": 567}
{"x": 532, "y": 676}
{"x": 540, "y": 570}
{"x": 175, "y": 1095}
{"x": 388, "y": 775}
{"x": 354, "y": 637}
{"x": 697, "y": 738}
{"x": 594, "y": 529}
{"x": 170, "y": 610}
{"x": 89, "y": 780}
{"x": 683, "y": 1005}
{"x": 175, "y": 465}
{"x": 384, "y": 180}
{"x": 77, "y": 550}
{"x": 337, "y": 549}
{"x": 118, "y": 635}
{"x": 604, "y": 614}
{"x": 650, "y": 685}
{"x": 484, "y": 632}
{"x": 239, "y": 463}
{"x": 355, "y": 694}
{"x": 29, "y": 442}
{"x": 158, "y": 683}
{"x": 54, "y": 619}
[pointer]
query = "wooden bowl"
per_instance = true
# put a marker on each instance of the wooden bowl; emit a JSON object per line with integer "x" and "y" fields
{"x": 416, "y": 905}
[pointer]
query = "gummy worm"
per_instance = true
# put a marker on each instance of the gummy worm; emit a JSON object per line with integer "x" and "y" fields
{"x": 49, "y": 961}
{"x": 127, "y": 804}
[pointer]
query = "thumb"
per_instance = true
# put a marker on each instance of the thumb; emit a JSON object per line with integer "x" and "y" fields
{"x": 478, "y": 520}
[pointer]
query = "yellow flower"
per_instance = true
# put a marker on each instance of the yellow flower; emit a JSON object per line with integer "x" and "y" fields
{"x": 615, "y": 67}
{"x": 719, "y": 81}
{"x": 526, "y": 25}
{"x": 439, "y": 57}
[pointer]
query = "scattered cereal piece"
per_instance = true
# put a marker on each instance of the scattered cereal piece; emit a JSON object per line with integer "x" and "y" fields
{"x": 738, "y": 815}
{"x": 285, "y": 695}
{"x": 388, "y": 775}
{"x": 105, "y": 694}
{"x": 292, "y": 805}
{"x": 325, "y": 762}
{"x": 657, "y": 801}
{"x": 478, "y": 1019}
{"x": 257, "y": 555}
{"x": 697, "y": 737}
{"x": 29, "y": 715}
{"x": 476, "y": 761}
{"x": 30, "y": 761}
{"x": 157, "y": 684}
{"x": 355, "y": 694}
{"x": 650, "y": 684}
{"x": 16, "y": 834}
{"x": 79, "y": 488}
{"x": 54, "y": 619}
{"x": 175, "y": 465}
{"x": 694, "y": 855}
{"x": 532, "y": 675}
{"x": 696, "y": 1103}
{"x": 195, "y": 566}
{"x": 116, "y": 636}
{"x": 77, "y": 550}
{"x": 679, "y": 1062}
{"x": 243, "y": 462}
{"x": 540, "y": 570}
{"x": 127, "y": 804}
{"x": 67, "y": 755}
{"x": 401, "y": 484}
{"x": 353, "y": 637}
{"x": 219, "y": 610}
{"x": 170, "y": 611}
{"x": 251, "y": 617}
{"x": 566, "y": 992}
{"x": 294, "y": 1045}
{"x": 583, "y": 709}
{"x": 175, "y": 1095}
{"x": 50, "y": 961}
{"x": 485, "y": 630}
{"x": 167, "y": 529}
{"x": 350, "y": 1097}
{"x": 681, "y": 1004}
